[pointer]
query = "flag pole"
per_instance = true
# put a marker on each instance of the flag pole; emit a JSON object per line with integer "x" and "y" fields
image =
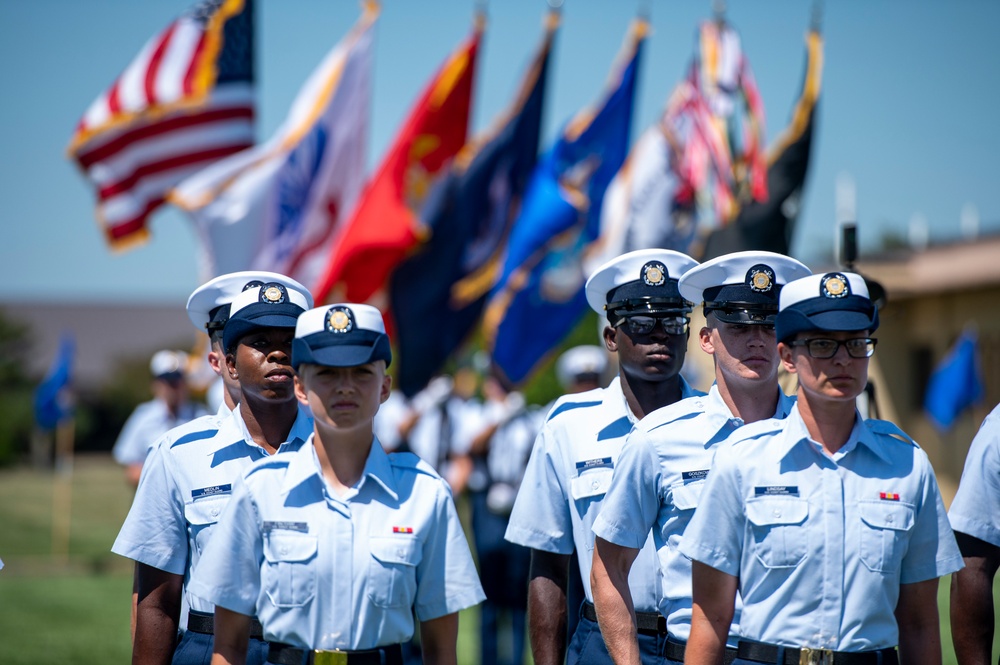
{"x": 62, "y": 497}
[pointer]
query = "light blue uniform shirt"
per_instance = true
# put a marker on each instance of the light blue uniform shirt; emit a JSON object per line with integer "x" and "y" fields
{"x": 658, "y": 480}
{"x": 568, "y": 474}
{"x": 821, "y": 544}
{"x": 146, "y": 424}
{"x": 976, "y": 508}
{"x": 185, "y": 484}
{"x": 324, "y": 571}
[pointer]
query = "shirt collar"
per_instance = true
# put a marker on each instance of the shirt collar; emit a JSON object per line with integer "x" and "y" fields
{"x": 235, "y": 428}
{"x": 796, "y": 432}
{"x": 623, "y": 409}
{"x": 304, "y": 465}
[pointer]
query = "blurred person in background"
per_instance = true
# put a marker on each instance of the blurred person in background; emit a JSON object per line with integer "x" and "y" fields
{"x": 150, "y": 420}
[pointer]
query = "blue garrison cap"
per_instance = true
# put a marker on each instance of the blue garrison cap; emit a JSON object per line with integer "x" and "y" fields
{"x": 832, "y": 302}
{"x": 276, "y": 304}
{"x": 208, "y": 305}
{"x": 341, "y": 335}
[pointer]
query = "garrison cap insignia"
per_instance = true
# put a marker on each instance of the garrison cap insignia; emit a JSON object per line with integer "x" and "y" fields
{"x": 654, "y": 273}
{"x": 834, "y": 285}
{"x": 273, "y": 293}
{"x": 252, "y": 284}
{"x": 339, "y": 320}
{"x": 760, "y": 278}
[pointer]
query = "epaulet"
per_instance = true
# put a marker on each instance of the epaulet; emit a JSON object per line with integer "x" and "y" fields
{"x": 269, "y": 462}
{"x": 413, "y": 462}
{"x": 671, "y": 413}
{"x": 889, "y": 429}
{"x": 584, "y": 400}
{"x": 757, "y": 429}
{"x": 191, "y": 437}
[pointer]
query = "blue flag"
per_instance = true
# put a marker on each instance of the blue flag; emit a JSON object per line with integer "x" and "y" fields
{"x": 52, "y": 405}
{"x": 540, "y": 297}
{"x": 437, "y": 295}
{"x": 956, "y": 384}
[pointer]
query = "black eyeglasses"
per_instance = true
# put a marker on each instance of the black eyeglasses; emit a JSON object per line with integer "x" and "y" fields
{"x": 859, "y": 347}
{"x": 643, "y": 324}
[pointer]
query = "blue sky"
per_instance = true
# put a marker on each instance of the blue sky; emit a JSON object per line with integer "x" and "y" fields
{"x": 909, "y": 108}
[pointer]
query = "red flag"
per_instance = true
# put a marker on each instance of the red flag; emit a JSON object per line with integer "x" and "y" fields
{"x": 384, "y": 225}
{"x": 185, "y": 101}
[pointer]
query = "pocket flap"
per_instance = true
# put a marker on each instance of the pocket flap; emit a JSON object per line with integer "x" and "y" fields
{"x": 403, "y": 550}
{"x": 289, "y": 546}
{"x": 687, "y": 495}
{"x": 887, "y": 515}
{"x": 205, "y": 511}
{"x": 772, "y": 510}
{"x": 593, "y": 482}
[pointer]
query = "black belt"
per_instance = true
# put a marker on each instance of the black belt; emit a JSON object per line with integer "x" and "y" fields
{"x": 204, "y": 622}
{"x": 675, "y": 651}
{"x": 647, "y": 623}
{"x": 284, "y": 654}
{"x": 768, "y": 653}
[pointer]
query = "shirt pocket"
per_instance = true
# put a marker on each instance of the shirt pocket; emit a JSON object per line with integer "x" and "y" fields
{"x": 588, "y": 489}
{"x": 289, "y": 575}
{"x": 392, "y": 574}
{"x": 201, "y": 516}
{"x": 885, "y": 528}
{"x": 685, "y": 496}
{"x": 779, "y": 537}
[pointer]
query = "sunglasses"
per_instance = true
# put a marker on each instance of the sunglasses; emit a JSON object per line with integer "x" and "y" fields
{"x": 643, "y": 324}
{"x": 859, "y": 347}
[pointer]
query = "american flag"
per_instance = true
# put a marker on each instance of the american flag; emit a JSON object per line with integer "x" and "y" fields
{"x": 185, "y": 101}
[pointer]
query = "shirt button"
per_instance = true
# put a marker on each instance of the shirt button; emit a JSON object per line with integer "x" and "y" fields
{"x": 215, "y": 512}
{"x": 777, "y": 513}
{"x": 889, "y": 519}
{"x": 399, "y": 552}
{"x": 595, "y": 484}
{"x": 284, "y": 550}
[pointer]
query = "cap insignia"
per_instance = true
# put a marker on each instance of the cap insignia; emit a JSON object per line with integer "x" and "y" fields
{"x": 339, "y": 320}
{"x": 273, "y": 294}
{"x": 834, "y": 285}
{"x": 761, "y": 279}
{"x": 253, "y": 284}
{"x": 654, "y": 273}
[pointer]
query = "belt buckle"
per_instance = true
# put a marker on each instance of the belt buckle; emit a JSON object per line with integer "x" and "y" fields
{"x": 809, "y": 656}
{"x": 335, "y": 657}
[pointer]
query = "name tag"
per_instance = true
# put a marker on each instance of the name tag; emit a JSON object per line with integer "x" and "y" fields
{"x": 211, "y": 491}
{"x": 776, "y": 490}
{"x": 301, "y": 527}
{"x": 701, "y": 474}
{"x": 591, "y": 463}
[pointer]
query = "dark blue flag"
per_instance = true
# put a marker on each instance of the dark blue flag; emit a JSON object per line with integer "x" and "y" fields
{"x": 52, "y": 403}
{"x": 540, "y": 297}
{"x": 437, "y": 295}
{"x": 956, "y": 384}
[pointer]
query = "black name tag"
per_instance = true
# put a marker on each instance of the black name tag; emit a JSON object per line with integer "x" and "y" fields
{"x": 301, "y": 527}
{"x": 211, "y": 491}
{"x": 701, "y": 474}
{"x": 776, "y": 490}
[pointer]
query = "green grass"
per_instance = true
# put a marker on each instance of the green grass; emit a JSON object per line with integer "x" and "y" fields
{"x": 75, "y": 609}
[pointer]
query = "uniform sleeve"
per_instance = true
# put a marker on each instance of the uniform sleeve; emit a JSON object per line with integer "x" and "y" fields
{"x": 540, "y": 518}
{"x": 631, "y": 504}
{"x": 446, "y": 575}
{"x": 974, "y": 510}
{"x": 155, "y": 530}
{"x": 132, "y": 444}
{"x": 716, "y": 531}
{"x": 932, "y": 551}
{"x": 228, "y": 571}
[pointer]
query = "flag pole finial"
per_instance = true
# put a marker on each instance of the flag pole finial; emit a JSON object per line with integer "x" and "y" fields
{"x": 816, "y": 18}
{"x": 719, "y": 9}
{"x": 555, "y": 5}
